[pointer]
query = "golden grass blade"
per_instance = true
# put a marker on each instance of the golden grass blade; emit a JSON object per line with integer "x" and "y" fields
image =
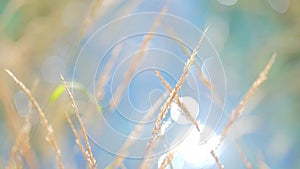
{"x": 123, "y": 166}
{"x": 22, "y": 143}
{"x": 105, "y": 76}
{"x": 261, "y": 162}
{"x": 167, "y": 160}
{"x": 78, "y": 140}
{"x": 214, "y": 155}
{"x": 144, "y": 164}
{"x": 119, "y": 159}
{"x": 128, "y": 7}
{"x": 90, "y": 17}
{"x": 239, "y": 109}
{"x": 243, "y": 156}
{"x": 178, "y": 85}
{"x": 157, "y": 126}
{"x": 188, "y": 54}
{"x": 50, "y": 133}
{"x": 179, "y": 103}
{"x": 92, "y": 161}
{"x": 136, "y": 60}
{"x": 198, "y": 67}
{"x": 12, "y": 118}
{"x": 167, "y": 104}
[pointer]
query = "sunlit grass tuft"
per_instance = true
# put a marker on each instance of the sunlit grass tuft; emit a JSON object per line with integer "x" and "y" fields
{"x": 50, "y": 133}
{"x": 90, "y": 157}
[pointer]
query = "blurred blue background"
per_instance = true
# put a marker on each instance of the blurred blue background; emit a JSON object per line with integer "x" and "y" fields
{"x": 40, "y": 40}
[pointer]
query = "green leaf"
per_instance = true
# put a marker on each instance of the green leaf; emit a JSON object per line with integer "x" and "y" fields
{"x": 59, "y": 90}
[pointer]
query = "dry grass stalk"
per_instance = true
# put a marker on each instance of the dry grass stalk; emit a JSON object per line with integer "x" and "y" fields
{"x": 105, "y": 76}
{"x": 167, "y": 160}
{"x": 123, "y": 166}
{"x": 198, "y": 67}
{"x": 261, "y": 162}
{"x": 90, "y": 17}
{"x": 243, "y": 156}
{"x": 128, "y": 7}
{"x": 92, "y": 161}
{"x": 50, "y": 133}
{"x": 136, "y": 60}
{"x": 152, "y": 149}
{"x": 188, "y": 54}
{"x": 22, "y": 143}
{"x": 144, "y": 164}
{"x": 12, "y": 118}
{"x": 239, "y": 109}
{"x": 214, "y": 155}
{"x": 179, "y": 103}
{"x": 78, "y": 140}
{"x": 174, "y": 92}
{"x": 146, "y": 161}
{"x": 119, "y": 159}
{"x": 178, "y": 85}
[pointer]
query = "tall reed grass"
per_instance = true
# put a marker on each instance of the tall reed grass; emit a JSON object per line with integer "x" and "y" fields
{"x": 23, "y": 142}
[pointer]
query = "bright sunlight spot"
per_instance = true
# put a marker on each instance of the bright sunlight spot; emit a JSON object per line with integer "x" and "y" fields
{"x": 196, "y": 154}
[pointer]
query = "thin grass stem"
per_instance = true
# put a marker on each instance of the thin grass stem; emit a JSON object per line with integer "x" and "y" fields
{"x": 50, "y": 133}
